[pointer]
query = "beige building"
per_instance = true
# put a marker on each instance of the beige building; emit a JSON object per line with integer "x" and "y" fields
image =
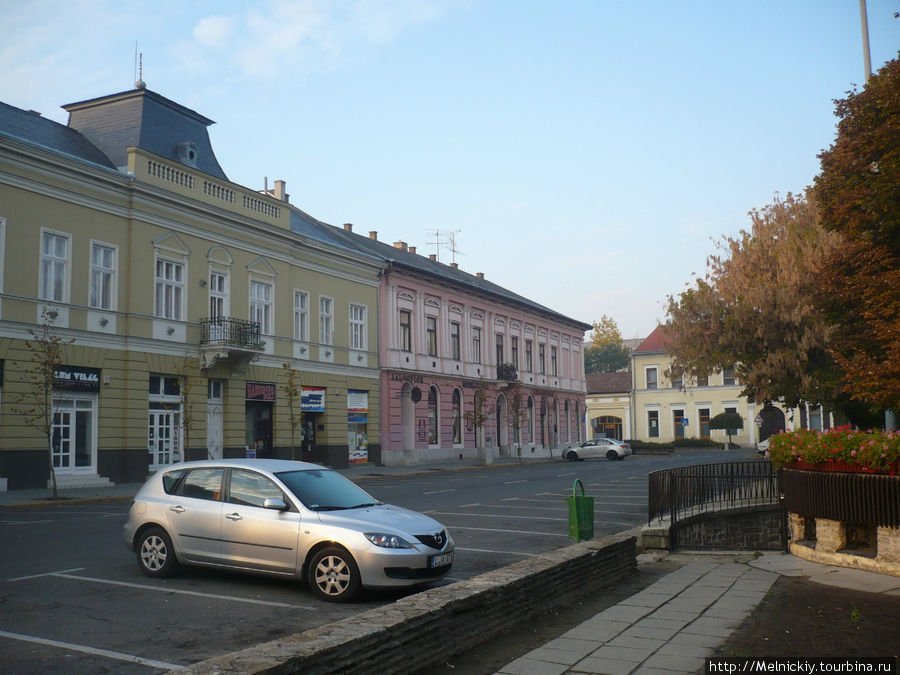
{"x": 651, "y": 404}
{"x": 181, "y": 294}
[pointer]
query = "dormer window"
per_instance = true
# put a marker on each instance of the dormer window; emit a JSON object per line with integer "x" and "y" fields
{"x": 188, "y": 153}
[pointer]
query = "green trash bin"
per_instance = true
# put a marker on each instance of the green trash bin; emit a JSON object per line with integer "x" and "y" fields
{"x": 581, "y": 514}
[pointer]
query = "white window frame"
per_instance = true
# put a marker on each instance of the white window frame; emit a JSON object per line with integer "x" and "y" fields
{"x": 165, "y": 284}
{"x": 455, "y": 352}
{"x": 647, "y": 370}
{"x": 431, "y": 335}
{"x": 301, "y": 315}
{"x": 61, "y": 266}
{"x": 476, "y": 344}
{"x": 99, "y": 271}
{"x": 359, "y": 338}
{"x": 262, "y": 308}
{"x": 219, "y": 296}
{"x": 326, "y": 320}
{"x": 554, "y": 361}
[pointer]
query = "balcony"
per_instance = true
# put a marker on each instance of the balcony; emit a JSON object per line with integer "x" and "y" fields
{"x": 224, "y": 338}
{"x": 508, "y": 372}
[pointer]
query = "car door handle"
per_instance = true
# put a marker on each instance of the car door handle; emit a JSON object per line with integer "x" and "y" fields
{"x": 234, "y": 516}
{"x": 178, "y": 508}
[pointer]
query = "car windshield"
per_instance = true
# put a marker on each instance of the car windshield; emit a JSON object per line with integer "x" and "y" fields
{"x": 324, "y": 490}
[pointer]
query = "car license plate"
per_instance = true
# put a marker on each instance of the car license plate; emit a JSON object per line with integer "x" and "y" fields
{"x": 440, "y": 560}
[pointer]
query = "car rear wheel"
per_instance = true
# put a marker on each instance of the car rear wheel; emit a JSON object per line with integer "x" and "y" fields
{"x": 612, "y": 455}
{"x": 333, "y": 575}
{"x": 572, "y": 456}
{"x": 155, "y": 554}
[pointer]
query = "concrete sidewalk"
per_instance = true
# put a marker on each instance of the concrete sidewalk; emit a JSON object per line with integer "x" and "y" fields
{"x": 674, "y": 624}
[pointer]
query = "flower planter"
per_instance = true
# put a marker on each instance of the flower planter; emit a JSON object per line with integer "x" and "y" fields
{"x": 841, "y": 466}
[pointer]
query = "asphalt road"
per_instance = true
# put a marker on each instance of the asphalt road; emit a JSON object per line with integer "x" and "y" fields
{"x": 74, "y": 601}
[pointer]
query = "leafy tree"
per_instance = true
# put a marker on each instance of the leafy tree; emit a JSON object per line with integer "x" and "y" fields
{"x": 607, "y": 358}
{"x": 728, "y": 421}
{"x": 478, "y": 415}
{"x": 858, "y": 196}
{"x": 515, "y": 411}
{"x": 756, "y": 309}
{"x": 606, "y": 351}
{"x": 292, "y": 391}
{"x": 35, "y": 404}
{"x": 188, "y": 373}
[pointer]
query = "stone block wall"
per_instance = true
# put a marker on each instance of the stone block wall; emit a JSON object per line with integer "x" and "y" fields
{"x": 831, "y": 535}
{"x": 752, "y": 528}
{"x": 888, "y": 544}
{"x": 420, "y": 630}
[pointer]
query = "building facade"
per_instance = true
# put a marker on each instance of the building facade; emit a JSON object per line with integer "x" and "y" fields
{"x": 186, "y": 304}
{"x": 469, "y": 366}
{"x": 665, "y": 406}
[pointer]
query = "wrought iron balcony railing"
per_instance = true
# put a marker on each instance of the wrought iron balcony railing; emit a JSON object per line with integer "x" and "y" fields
{"x": 230, "y": 332}
{"x": 507, "y": 371}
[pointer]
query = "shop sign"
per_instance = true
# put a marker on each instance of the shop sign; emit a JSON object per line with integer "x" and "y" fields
{"x": 405, "y": 377}
{"x": 77, "y": 378}
{"x": 357, "y": 401}
{"x": 312, "y": 399}
{"x": 260, "y": 391}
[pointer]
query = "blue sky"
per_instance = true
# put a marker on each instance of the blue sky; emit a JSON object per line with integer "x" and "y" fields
{"x": 588, "y": 153}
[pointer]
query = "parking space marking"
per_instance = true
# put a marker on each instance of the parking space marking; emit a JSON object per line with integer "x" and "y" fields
{"x": 437, "y": 492}
{"x": 492, "y": 515}
{"x": 466, "y": 506}
{"x": 153, "y": 663}
{"x": 484, "y": 550}
{"x": 488, "y": 529}
{"x": 46, "y": 574}
{"x": 215, "y": 596}
{"x": 513, "y": 482}
{"x": 23, "y": 522}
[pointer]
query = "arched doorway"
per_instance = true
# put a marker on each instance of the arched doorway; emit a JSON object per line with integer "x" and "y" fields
{"x": 502, "y": 425}
{"x": 407, "y": 419}
{"x": 772, "y": 422}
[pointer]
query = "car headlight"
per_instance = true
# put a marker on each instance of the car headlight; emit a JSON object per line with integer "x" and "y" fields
{"x": 387, "y": 540}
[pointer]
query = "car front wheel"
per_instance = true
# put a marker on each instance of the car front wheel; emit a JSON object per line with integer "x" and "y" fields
{"x": 155, "y": 554}
{"x": 612, "y": 455}
{"x": 333, "y": 575}
{"x": 572, "y": 456}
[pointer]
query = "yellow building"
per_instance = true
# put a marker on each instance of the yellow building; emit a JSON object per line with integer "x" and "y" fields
{"x": 179, "y": 295}
{"x": 648, "y": 403}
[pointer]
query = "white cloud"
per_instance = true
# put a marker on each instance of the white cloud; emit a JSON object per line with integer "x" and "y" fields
{"x": 215, "y": 32}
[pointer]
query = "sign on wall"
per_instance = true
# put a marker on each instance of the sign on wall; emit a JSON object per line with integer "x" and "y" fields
{"x": 260, "y": 391}
{"x": 77, "y": 378}
{"x": 312, "y": 399}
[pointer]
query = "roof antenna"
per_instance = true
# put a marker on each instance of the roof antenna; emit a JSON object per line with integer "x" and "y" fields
{"x": 138, "y": 69}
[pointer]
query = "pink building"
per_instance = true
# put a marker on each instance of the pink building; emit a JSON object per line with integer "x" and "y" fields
{"x": 448, "y": 339}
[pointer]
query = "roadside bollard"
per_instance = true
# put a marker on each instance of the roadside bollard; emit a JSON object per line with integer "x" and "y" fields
{"x": 581, "y": 514}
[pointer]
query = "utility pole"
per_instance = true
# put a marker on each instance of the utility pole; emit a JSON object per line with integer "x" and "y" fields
{"x": 867, "y": 59}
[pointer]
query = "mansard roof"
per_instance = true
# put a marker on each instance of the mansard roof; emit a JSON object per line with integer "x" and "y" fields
{"x": 30, "y": 127}
{"x": 144, "y": 119}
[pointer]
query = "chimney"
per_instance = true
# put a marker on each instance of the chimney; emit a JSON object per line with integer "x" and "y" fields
{"x": 454, "y": 265}
{"x": 400, "y": 244}
{"x": 348, "y": 227}
{"x": 432, "y": 257}
{"x": 480, "y": 275}
{"x": 373, "y": 234}
{"x": 412, "y": 249}
{"x": 281, "y": 191}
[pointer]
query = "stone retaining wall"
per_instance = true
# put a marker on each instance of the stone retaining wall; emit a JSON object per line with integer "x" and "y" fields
{"x": 426, "y": 628}
{"x": 749, "y": 528}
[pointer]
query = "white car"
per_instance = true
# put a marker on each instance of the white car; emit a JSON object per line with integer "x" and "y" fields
{"x": 284, "y": 518}
{"x": 598, "y": 447}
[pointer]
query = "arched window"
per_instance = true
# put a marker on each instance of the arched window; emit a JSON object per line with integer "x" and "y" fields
{"x": 457, "y": 417}
{"x": 530, "y": 419}
{"x": 433, "y": 416}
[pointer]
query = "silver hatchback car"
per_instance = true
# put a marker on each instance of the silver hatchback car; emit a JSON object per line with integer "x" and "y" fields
{"x": 284, "y": 518}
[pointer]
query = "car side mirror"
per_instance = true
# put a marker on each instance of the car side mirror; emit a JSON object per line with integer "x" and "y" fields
{"x": 274, "y": 503}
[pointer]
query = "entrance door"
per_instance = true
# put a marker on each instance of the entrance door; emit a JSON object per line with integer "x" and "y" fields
{"x": 73, "y": 435}
{"x": 703, "y": 414}
{"x": 163, "y": 441}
